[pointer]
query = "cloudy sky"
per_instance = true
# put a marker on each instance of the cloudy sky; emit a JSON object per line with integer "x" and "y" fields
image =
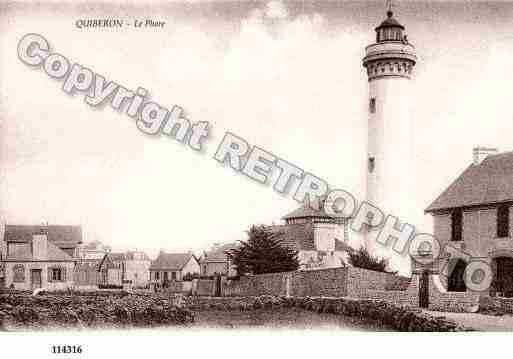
{"x": 286, "y": 76}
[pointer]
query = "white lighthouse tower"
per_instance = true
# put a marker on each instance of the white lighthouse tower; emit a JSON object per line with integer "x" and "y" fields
{"x": 389, "y": 63}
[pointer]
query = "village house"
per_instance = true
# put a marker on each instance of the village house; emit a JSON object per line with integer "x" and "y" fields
{"x": 474, "y": 215}
{"x": 321, "y": 240}
{"x": 111, "y": 270}
{"x": 216, "y": 261}
{"x": 172, "y": 267}
{"x": 114, "y": 270}
{"x": 39, "y": 256}
{"x": 86, "y": 275}
{"x": 137, "y": 268}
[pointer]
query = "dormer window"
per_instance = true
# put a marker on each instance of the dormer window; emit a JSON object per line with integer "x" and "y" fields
{"x": 372, "y": 164}
{"x": 372, "y": 105}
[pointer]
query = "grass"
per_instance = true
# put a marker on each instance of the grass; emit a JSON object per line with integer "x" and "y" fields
{"x": 294, "y": 318}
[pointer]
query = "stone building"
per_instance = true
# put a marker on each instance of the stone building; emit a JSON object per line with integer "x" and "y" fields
{"x": 474, "y": 216}
{"x": 216, "y": 261}
{"x": 320, "y": 239}
{"x": 169, "y": 267}
{"x": 111, "y": 270}
{"x": 137, "y": 268}
{"x": 39, "y": 256}
{"x": 117, "y": 269}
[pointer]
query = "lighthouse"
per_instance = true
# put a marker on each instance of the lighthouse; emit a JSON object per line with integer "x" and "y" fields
{"x": 389, "y": 62}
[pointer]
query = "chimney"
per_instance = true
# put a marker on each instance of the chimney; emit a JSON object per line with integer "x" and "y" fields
{"x": 40, "y": 246}
{"x": 480, "y": 153}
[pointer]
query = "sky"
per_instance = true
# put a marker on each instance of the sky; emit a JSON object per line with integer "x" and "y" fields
{"x": 286, "y": 76}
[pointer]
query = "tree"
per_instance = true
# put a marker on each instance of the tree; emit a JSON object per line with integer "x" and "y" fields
{"x": 361, "y": 258}
{"x": 263, "y": 253}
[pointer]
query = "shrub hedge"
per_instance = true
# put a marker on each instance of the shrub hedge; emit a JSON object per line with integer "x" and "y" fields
{"x": 92, "y": 309}
{"x": 379, "y": 312}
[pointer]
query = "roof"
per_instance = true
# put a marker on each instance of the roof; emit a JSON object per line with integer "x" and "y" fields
{"x": 295, "y": 236}
{"x": 136, "y": 255}
{"x": 115, "y": 256}
{"x": 390, "y": 22}
{"x": 60, "y": 235}
{"x": 88, "y": 264}
{"x": 171, "y": 261}
{"x": 306, "y": 211}
{"x": 484, "y": 184}
{"x": 54, "y": 254}
{"x": 218, "y": 255}
{"x": 301, "y": 237}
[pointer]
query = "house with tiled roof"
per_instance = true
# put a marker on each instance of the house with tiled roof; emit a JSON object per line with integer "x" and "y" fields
{"x": 320, "y": 239}
{"x": 131, "y": 268}
{"x": 216, "y": 260}
{"x": 473, "y": 214}
{"x": 39, "y": 256}
{"x": 172, "y": 267}
{"x": 111, "y": 270}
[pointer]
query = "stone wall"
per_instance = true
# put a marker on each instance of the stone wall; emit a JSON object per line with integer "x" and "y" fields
{"x": 496, "y": 305}
{"x": 263, "y": 284}
{"x": 319, "y": 283}
{"x": 352, "y": 282}
{"x": 441, "y": 299}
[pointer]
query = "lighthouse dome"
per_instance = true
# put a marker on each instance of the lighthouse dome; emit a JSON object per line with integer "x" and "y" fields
{"x": 390, "y": 29}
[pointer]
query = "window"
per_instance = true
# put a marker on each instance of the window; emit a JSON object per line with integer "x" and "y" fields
{"x": 457, "y": 225}
{"x": 503, "y": 221}
{"x": 173, "y": 275}
{"x": 372, "y": 105}
{"x": 18, "y": 273}
{"x": 166, "y": 276}
{"x": 372, "y": 164}
{"x": 157, "y": 275}
{"x": 56, "y": 275}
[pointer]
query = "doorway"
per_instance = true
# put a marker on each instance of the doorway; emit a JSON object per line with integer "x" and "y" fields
{"x": 503, "y": 281}
{"x": 424, "y": 290}
{"x": 456, "y": 280}
{"x": 35, "y": 278}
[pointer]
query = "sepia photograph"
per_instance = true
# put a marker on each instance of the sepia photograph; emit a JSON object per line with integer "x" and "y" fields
{"x": 191, "y": 171}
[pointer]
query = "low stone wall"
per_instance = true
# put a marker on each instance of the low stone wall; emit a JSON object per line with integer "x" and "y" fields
{"x": 383, "y": 313}
{"x": 442, "y": 300}
{"x": 263, "y": 284}
{"x": 319, "y": 283}
{"x": 366, "y": 284}
{"x": 496, "y": 305}
{"x": 354, "y": 283}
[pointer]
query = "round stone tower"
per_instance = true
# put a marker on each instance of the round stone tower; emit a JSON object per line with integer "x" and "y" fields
{"x": 389, "y": 63}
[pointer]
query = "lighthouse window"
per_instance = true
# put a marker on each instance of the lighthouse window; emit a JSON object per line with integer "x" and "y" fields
{"x": 372, "y": 164}
{"x": 372, "y": 105}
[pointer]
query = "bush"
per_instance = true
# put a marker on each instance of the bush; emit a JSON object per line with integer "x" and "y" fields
{"x": 361, "y": 258}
